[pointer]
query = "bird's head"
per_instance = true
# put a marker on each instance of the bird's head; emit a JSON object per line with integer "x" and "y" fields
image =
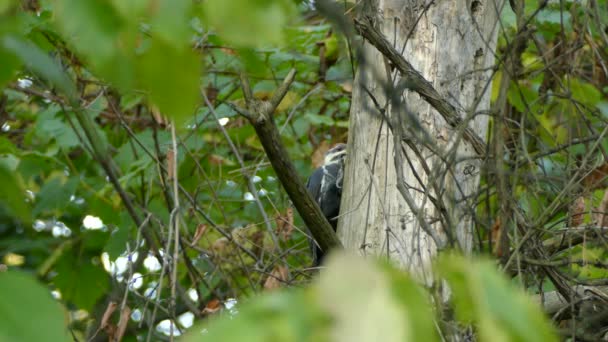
{"x": 335, "y": 154}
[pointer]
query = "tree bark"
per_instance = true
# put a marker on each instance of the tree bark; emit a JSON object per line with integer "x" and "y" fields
{"x": 450, "y": 44}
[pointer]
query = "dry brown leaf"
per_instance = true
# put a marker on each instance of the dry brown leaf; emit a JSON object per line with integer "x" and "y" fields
{"x": 215, "y": 159}
{"x": 496, "y": 235}
{"x": 200, "y": 231}
{"x": 125, "y": 315}
{"x": 212, "y": 306}
{"x": 107, "y": 314}
{"x": 277, "y": 278}
{"x": 285, "y": 224}
{"x": 170, "y": 164}
{"x": 596, "y": 178}
{"x": 211, "y": 92}
{"x": 577, "y": 212}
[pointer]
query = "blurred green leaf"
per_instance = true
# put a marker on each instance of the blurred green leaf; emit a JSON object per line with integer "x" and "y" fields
{"x": 172, "y": 77}
{"x": 28, "y": 311}
{"x": 117, "y": 243}
{"x": 282, "y": 316}
{"x": 55, "y": 194}
{"x": 9, "y": 63}
{"x": 584, "y": 92}
{"x": 317, "y": 119}
{"x": 171, "y": 21}
{"x": 79, "y": 281}
{"x": 40, "y": 63}
{"x": 92, "y": 25}
{"x": 369, "y": 303}
{"x": 248, "y": 23}
{"x": 13, "y": 196}
{"x": 482, "y": 296}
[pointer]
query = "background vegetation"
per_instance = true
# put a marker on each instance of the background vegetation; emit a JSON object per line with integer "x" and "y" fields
{"x": 135, "y": 195}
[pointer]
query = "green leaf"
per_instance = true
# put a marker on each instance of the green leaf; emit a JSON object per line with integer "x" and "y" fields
{"x": 317, "y": 119}
{"x": 40, "y": 63}
{"x": 9, "y": 63}
{"x": 92, "y": 25}
{"x": 171, "y": 21}
{"x": 172, "y": 77}
{"x": 248, "y": 23}
{"x": 5, "y": 5}
{"x": 12, "y": 196}
{"x": 79, "y": 281}
{"x": 585, "y": 92}
{"x": 281, "y": 316}
{"x": 501, "y": 313}
{"x": 55, "y": 195}
{"x": 117, "y": 243}
{"x": 49, "y": 126}
{"x": 28, "y": 311}
{"x": 382, "y": 303}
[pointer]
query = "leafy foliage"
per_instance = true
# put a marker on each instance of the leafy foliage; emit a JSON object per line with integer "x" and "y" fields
{"x": 354, "y": 300}
{"x": 89, "y": 167}
{"x": 28, "y": 301}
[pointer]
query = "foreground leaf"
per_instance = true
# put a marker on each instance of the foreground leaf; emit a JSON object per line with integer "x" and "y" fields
{"x": 28, "y": 311}
{"x": 482, "y": 296}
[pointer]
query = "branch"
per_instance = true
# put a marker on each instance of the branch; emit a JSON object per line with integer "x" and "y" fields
{"x": 419, "y": 84}
{"x": 259, "y": 114}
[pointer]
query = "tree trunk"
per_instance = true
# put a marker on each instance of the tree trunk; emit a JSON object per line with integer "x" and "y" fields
{"x": 451, "y": 44}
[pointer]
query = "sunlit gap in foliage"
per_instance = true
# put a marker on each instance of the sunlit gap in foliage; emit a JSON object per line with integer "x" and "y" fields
{"x": 57, "y": 228}
{"x": 24, "y": 83}
{"x": 92, "y": 222}
{"x": 223, "y": 121}
{"x": 185, "y": 321}
{"x": 119, "y": 266}
{"x": 248, "y": 196}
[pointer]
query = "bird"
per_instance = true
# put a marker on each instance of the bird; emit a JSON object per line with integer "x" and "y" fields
{"x": 325, "y": 187}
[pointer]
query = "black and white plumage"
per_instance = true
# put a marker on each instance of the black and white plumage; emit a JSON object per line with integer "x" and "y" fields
{"x": 325, "y": 186}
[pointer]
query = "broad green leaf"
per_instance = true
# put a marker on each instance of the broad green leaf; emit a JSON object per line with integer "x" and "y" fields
{"x": 5, "y": 5}
{"x": 249, "y": 23}
{"x": 369, "y": 303}
{"x": 92, "y": 25}
{"x": 281, "y": 316}
{"x": 482, "y": 296}
{"x": 172, "y": 78}
{"x": 6, "y": 146}
{"x": 117, "y": 243}
{"x": 40, "y": 63}
{"x": 171, "y": 21}
{"x": 585, "y": 92}
{"x": 79, "y": 281}
{"x": 28, "y": 311}
{"x": 9, "y": 63}
{"x": 524, "y": 99}
{"x": 317, "y": 119}
{"x": 54, "y": 195}
{"x": 50, "y": 126}
{"x": 13, "y": 196}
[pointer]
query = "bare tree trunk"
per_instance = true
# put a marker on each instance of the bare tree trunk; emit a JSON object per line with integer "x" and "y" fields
{"x": 451, "y": 44}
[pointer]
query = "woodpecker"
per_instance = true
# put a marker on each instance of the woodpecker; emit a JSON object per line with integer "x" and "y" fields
{"x": 325, "y": 186}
